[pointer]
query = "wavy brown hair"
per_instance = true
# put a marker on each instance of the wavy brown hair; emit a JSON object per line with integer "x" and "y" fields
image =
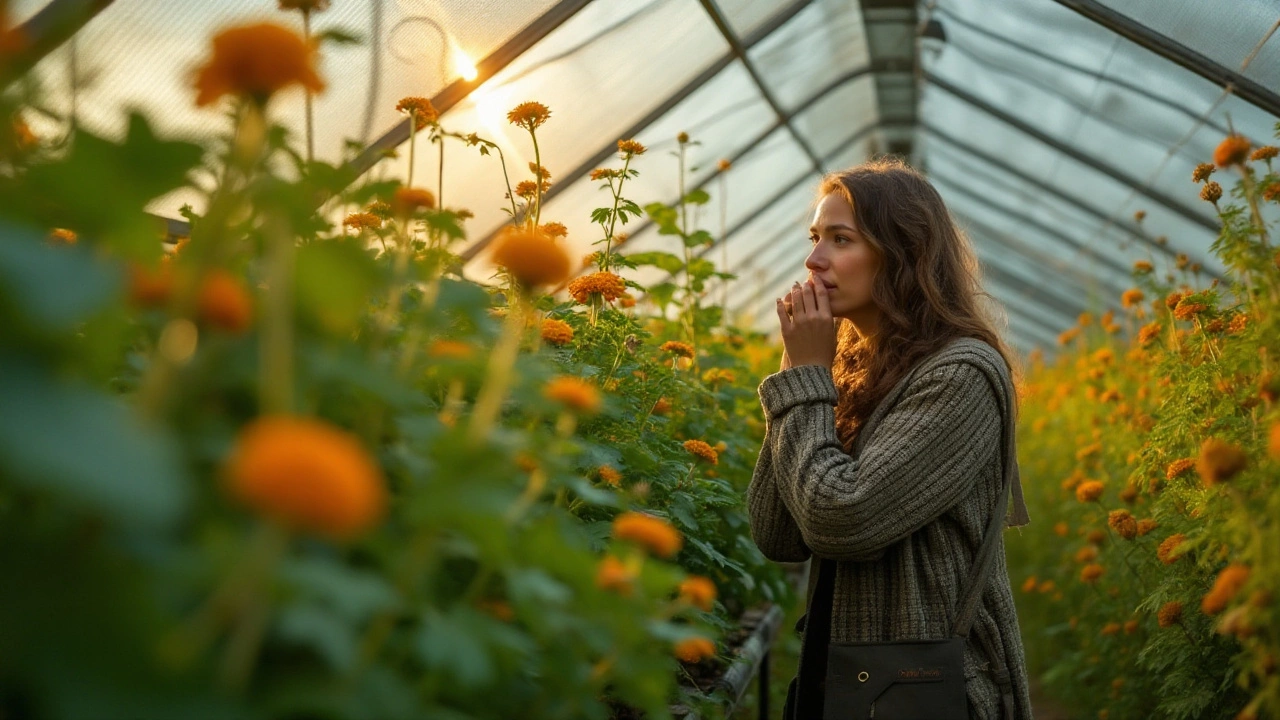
{"x": 928, "y": 288}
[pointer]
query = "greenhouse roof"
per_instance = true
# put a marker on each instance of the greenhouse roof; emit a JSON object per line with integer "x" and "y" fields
{"x": 1046, "y": 125}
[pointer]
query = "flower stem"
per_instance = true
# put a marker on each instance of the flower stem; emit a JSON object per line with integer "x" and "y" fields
{"x": 501, "y": 361}
{"x": 275, "y": 380}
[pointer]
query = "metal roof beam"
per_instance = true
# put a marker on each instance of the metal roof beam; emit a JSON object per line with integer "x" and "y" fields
{"x": 45, "y": 31}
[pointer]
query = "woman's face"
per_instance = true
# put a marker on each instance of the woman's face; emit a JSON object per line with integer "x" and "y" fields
{"x": 844, "y": 261}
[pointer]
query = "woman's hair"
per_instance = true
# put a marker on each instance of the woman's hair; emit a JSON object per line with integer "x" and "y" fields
{"x": 927, "y": 288}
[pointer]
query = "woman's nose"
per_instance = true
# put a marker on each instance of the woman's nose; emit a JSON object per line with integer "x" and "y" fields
{"x": 815, "y": 261}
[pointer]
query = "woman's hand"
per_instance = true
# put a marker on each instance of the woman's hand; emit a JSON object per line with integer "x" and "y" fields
{"x": 808, "y": 330}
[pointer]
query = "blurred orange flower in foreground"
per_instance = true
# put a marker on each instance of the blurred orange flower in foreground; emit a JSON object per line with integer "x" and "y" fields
{"x": 307, "y": 474}
{"x": 652, "y": 532}
{"x": 225, "y": 302}
{"x": 695, "y": 649}
{"x": 255, "y": 61}
{"x": 699, "y": 591}
{"x": 533, "y": 258}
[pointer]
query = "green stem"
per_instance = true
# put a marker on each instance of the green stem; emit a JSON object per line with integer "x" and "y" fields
{"x": 413, "y": 132}
{"x": 537, "y": 180}
{"x": 501, "y": 361}
{"x": 275, "y": 383}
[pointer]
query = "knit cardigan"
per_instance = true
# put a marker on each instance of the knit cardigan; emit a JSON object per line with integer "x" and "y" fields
{"x": 904, "y": 516}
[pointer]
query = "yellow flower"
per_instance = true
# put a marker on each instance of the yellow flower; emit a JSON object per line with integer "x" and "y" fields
{"x": 605, "y": 284}
{"x": 528, "y": 189}
{"x": 1169, "y": 614}
{"x": 307, "y": 474}
{"x": 255, "y": 61}
{"x": 1219, "y": 461}
{"x": 613, "y": 575}
{"x": 419, "y": 109}
{"x": 610, "y": 476}
{"x": 1238, "y": 323}
{"x": 529, "y": 115}
{"x": 702, "y": 450}
{"x": 675, "y": 347}
{"x": 699, "y": 591}
{"x": 1047, "y": 587}
{"x": 1089, "y": 491}
{"x": 695, "y": 650}
{"x": 557, "y": 332}
{"x": 630, "y": 147}
{"x": 575, "y": 393}
{"x": 1168, "y": 552}
{"x": 533, "y": 258}
{"x": 1232, "y": 150}
{"x": 362, "y": 220}
{"x": 655, "y": 534}
{"x": 1123, "y": 522}
{"x": 1225, "y": 587}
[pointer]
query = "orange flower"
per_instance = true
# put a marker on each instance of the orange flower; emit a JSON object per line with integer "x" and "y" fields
{"x": 654, "y": 533}
{"x": 554, "y": 229}
{"x": 308, "y": 474}
{"x": 1202, "y": 172}
{"x": 528, "y": 189}
{"x": 1111, "y": 628}
{"x": 1219, "y": 461}
{"x": 723, "y": 165}
{"x": 1029, "y": 585}
{"x": 1047, "y": 587}
{"x": 1089, "y": 491}
{"x": 539, "y": 172}
{"x": 613, "y": 575}
{"x": 529, "y": 115}
{"x": 661, "y": 407}
{"x": 453, "y": 349}
{"x": 1168, "y": 552}
{"x": 255, "y": 61}
{"x": 1097, "y": 537}
{"x": 610, "y": 476}
{"x": 1178, "y": 467}
{"x": 1132, "y": 297}
{"x": 693, "y": 650}
{"x": 1087, "y": 554}
{"x": 702, "y": 450}
{"x": 1232, "y": 151}
{"x": 1061, "y": 529}
{"x": 1273, "y": 441}
{"x": 1146, "y": 525}
{"x": 1238, "y": 323}
{"x": 605, "y": 284}
{"x": 362, "y": 220}
{"x": 224, "y": 302}
{"x": 1130, "y": 627}
{"x": 63, "y": 236}
{"x": 1142, "y": 267}
{"x": 420, "y": 110}
{"x": 1212, "y": 192}
{"x": 675, "y": 347}
{"x": 626, "y": 300}
{"x": 1187, "y": 310}
{"x": 1266, "y": 152}
{"x": 1068, "y": 335}
{"x": 630, "y": 147}
{"x": 699, "y": 591}
{"x": 1169, "y": 614}
{"x": 1123, "y": 522}
{"x": 150, "y": 287}
{"x": 532, "y": 258}
{"x": 408, "y": 200}
{"x": 557, "y": 332}
{"x": 1091, "y": 573}
{"x": 1227, "y": 585}
{"x": 574, "y": 393}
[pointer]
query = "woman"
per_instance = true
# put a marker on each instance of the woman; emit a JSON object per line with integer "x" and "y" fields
{"x": 892, "y": 310}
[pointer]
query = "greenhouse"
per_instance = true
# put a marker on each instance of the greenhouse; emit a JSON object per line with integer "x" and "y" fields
{"x": 620, "y": 359}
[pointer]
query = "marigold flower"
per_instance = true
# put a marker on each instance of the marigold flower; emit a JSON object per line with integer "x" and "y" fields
{"x": 1086, "y": 554}
{"x": 682, "y": 137}
{"x": 1232, "y": 151}
{"x": 1089, "y": 491}
{"x": 630, "y": 147}
{"x": 1211, "y": 192}
{"x": 539, "y": 172}
{"x": 224, "y": 302}
{"x": 255, "y": 61}
{"x": 661, "y": 407}
{"x": 1047, "y": 587}
{"x": 1140, "y": 215}
{"x": 557, "y": 332}
{"x": 1068, "y": 335}
{"x": 529, "y": 115}
{"x": 1146, "y": 525}
{"x": 675, "y": 347}
{"x": 654, "y": 533}
{"x": 1225, "y": 587}
{"x": 1202, "y": 172}
{"x": 526, "y": 189}
{"x": 574, "y": 393}
{"x": 612, "y": 574}
{"x": 1169, "y": 614}
{"x": 626, "y": 300}
{"x": 1271, "y": 193}
{"x": 1169, "y": 550}
{"x": 1219, "y": 461}
{"x": 1142, "y": 267}
{"x": 609, "y": 476}
{"x": 702, "y": 450}
{"x": 1132, "y": 297}
{"x": 1061, "y": 529}
{"x": 699, "y": 591}
{"x": 1273, "y": 441}
{"x": 723, "y": 164}
{"x": 1030, "y": 583}
{"x": 554, "y": 230}
{"x": 150, "y": 287}
{"x": 451, "y": 349}
{"x": 1111, "y": 628}
{"x": 362, "y": 220}
{"x": 533, "y": 258}
{"x": 419, "y": 109}
{"x": 63, "y": 236}
{"x": 308, "y": 474}
{"x": 1188, "y": 310}
{"x": 1091, "y": 573}
{"x": 1238, "y": 323}
{"x": 603, "y": 174}
{"x": 718, "y": 375}
{"x": 605, "y": 284}
{"x": 409, "y": 200}
{"x": 693, "y": 650}
{"x": 1129, "y": 494}
{"x": 1123, "y": 522}
{"x": 1097, "y": 537}
{"x": 1266, "y": 152}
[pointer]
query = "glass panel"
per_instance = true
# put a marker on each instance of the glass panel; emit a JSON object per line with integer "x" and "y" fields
{"x": 815, "y": 47}
{"x": 829, "y": 122}
{"x": 747, "y": 15}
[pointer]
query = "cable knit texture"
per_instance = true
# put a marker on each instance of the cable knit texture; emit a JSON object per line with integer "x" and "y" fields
{"x": 903, "y": 516}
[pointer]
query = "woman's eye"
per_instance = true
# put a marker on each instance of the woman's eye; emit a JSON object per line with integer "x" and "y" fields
{"x": 843, "y": 238}
{"x": 813, "y": 239}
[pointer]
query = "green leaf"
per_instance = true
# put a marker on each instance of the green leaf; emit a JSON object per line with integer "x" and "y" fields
{"x": 339, "y": 37}
{"x": 701, "y": 268}
{"x": 697, "y": 197}
{"x": 664, "y": 217}
{"x": 321, "y": 630}
{"x": 662, "y": 293}
{"x": 334, "y": 281}
{"x": 662, "y": 260}
{"x": 699, "y": 238}
{"x": 51, "y": 288}
{"x": 87, "y": 447}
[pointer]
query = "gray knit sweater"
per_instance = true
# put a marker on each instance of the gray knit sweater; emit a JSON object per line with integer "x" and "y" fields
{"x": 904, "y": 515}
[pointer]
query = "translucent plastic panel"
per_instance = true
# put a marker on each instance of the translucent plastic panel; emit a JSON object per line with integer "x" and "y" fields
{"x": 745, "y": 16}
{"x": 778, "y": 237}
{"x": 1225, "y": 36}
{"x": 141, "y": 53}
{"x": 831, "y": 121}
{"x": 817, "y": 46}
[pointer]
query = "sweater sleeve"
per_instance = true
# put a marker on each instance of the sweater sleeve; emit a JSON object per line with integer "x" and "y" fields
{"x": 772, "y": 528}
{"x": 921, "y": 460}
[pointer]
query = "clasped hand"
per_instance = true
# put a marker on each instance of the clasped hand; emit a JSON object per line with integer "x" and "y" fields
{"x": 808, "y": 330}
